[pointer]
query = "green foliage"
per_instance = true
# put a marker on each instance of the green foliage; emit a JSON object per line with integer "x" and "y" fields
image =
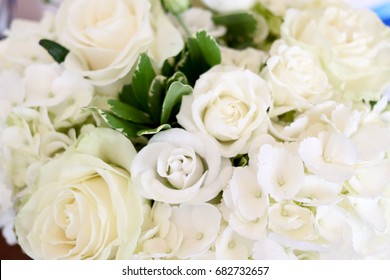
{"x": 240, "y": 28}
{"x": 200, "y": 54}
{"x": 150, "y": 103}
{"x": 57, "y": 51}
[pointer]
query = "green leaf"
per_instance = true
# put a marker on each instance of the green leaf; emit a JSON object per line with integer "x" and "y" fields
{"x": 142, "y": 80}
{"x": 174, "y": 95}
{"x": 177, "y": 77}
{"x": 128, "y": 113}
{"x": 151, "y": 131}
{"x": 201, "y": 53}
{"x": 57, "y": 51}
{"x": 126, "y": 128}
{"x": 240, "y": 28}
{"x": 156, "y": 97}
{"x": 209, "y": 48}
{"x": 127, "y": 96}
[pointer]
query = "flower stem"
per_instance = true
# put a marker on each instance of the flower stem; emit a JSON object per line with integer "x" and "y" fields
{"x": 182, "y": 24}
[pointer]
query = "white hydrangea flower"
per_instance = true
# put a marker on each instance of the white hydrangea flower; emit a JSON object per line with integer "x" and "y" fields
{"x": 248, "y": 58}
{"x": 246, "y": 203}
{"x": 291, "y": 220}
{"x": 21, "y": 48}
{"x": 280, "y": 171}
{"x": 161, "y": 238}
{"x": 199, "y": 224}
{"x": 329, "y": 115}
{"x": 62, "y": 92}
{"x": 371, "y": 179}
{"x": 180, "y": 231}
{"x": 331, "y": 223}
{"x": 232, "y": 246}
{"x": 317, "y": 191}
{"x": 331, "y": 156}
{"x": 268, "y": 249}
{"x": 11, "y": 92}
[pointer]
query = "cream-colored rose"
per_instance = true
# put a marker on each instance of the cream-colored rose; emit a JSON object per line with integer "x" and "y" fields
{"x": 106, "y": 37}
{"x": 83, "y": 205}
{"x": 296, "y": 79}
{"x": 229, "y": 104}
{"x": 353, "y": 46}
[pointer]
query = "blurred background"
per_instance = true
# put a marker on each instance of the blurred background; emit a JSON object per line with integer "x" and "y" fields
{"x": 33, "y": 10}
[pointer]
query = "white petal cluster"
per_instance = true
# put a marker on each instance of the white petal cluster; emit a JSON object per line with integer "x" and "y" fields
{"x": 179, "y": 231}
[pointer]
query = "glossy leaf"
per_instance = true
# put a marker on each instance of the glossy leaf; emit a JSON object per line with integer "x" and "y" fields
{"x": 174, "y": 95}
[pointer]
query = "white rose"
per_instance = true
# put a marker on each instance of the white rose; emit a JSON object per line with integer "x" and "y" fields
{"x": 296, "y": 79}
{"x": 353, "y": 45}
{"x": 292, "y": 221}
{"x": 106, "y": 37}
{"x": 230, "y": 105}
{"x": 177, "y": 166}
{"x": 83, "y": 205}
{"x": 228, "y": 6}
{"x": 246, "y": 203}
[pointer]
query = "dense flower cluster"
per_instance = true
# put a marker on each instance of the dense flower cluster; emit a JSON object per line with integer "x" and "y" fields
{"x": 162, "y": 136}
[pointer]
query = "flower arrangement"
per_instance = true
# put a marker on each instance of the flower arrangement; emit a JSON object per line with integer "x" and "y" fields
{"x": 140, "y": 129}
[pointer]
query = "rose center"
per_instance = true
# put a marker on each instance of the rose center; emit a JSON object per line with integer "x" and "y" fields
{"x": 72, "y": 221}
{"x": 182, "y": 167}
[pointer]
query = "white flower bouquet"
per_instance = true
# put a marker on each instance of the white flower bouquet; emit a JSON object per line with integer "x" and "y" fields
{"x": 140, "y": 129}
